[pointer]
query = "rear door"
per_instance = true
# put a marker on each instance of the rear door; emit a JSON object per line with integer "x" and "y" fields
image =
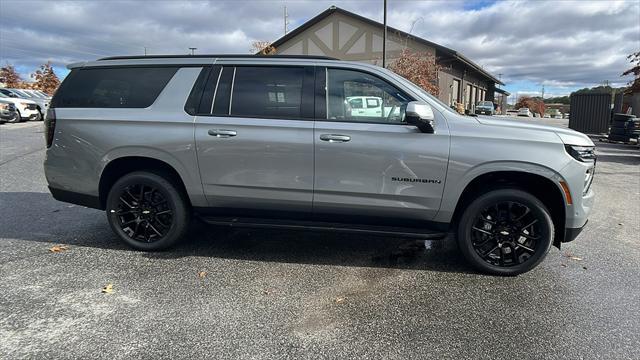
{"x": 254, "y": 138}
{"x": 374, "y": 164}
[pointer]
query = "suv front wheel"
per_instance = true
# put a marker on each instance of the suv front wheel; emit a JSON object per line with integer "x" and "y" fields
{"x": 147, "y": 211}
{"x": 505, "y": 232}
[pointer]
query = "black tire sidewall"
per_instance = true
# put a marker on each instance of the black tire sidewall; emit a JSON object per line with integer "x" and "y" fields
{"x": 17, "y": 118}
{"x": 169, "y": 190}
{"x": 487, "y": 199}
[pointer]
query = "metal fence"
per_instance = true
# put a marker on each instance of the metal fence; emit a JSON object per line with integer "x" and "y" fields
{"x": 590, "y": 113}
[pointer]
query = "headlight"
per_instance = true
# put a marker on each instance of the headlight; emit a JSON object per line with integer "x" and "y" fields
{"x": 581, "y": 153}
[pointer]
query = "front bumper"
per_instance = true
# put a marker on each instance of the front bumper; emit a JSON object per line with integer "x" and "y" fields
{"x": 571, "y": 234}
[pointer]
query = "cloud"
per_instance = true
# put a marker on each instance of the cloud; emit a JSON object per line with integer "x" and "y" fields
{"x": 561, "y": 44}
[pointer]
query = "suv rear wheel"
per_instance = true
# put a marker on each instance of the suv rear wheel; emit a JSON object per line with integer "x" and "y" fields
{"x": 147, "y": 211}
{"x": 505, "y": 232}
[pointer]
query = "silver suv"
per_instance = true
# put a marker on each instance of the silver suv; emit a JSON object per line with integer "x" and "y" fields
{"x": 273, "y": 142}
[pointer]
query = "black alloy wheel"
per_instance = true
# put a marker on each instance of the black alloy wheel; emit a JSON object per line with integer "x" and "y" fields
{"x": 144, "y": 213}
{"x": 505, "y": 232}
{"x": 147, "y": 211}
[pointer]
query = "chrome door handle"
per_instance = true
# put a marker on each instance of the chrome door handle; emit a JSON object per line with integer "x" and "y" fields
{"x": 335, "y": 138}
{"x": 222, "y": 133}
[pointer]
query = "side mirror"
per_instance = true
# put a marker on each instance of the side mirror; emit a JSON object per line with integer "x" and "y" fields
{"x": 420, "y": 115}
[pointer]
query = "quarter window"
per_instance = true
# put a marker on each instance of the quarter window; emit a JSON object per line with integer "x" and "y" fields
{"x": 124, "y": 87}
{"x": 271, "y": 92}
{"x": 349, "y": 91}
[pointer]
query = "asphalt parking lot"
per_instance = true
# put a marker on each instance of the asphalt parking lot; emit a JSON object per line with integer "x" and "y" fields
{"x": 258, "y": 294}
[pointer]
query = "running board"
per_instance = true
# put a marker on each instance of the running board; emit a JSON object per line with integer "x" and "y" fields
{"x": 393, "y": 231}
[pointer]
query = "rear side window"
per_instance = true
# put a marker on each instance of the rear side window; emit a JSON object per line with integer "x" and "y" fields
{"x": 270, "y": 92}
{"x": 125, "y": 87}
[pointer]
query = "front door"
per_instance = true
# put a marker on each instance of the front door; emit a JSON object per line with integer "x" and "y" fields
{"x": 255, "y": 148}
{"x": 375, "y": 164}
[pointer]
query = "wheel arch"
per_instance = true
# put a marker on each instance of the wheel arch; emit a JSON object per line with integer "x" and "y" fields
{"x": 542, "y": 187}
{"x": 121, "y": 166}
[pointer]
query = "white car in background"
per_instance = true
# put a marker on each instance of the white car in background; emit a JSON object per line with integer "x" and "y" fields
{"x": 524, "y": 112}
{"x": 43, "y": 104}
{"x": 27, "y": 109}
{"x": 369, "y": 106}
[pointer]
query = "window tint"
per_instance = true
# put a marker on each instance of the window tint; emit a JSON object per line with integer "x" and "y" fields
{"x": 346, "y": 88}
{"x": 125, "y": 87}
{"x": 222, "y": 92}
{"x": 268, "y": 92}
{"x": 193, "y": 101}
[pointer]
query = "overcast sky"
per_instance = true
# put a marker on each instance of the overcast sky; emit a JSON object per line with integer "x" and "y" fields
{"x": 564, "y": 45}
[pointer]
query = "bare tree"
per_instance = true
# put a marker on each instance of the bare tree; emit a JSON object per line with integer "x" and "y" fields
{"x": 634, "y": 86}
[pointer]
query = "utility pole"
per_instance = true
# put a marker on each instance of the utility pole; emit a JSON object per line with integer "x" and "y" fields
{"x": 542, "y": 92}
{"x": 145, "y": 51}
{"x": 384, "y": 37}
{"x": 193, "y": 49}
{"x": 286, "y": 20}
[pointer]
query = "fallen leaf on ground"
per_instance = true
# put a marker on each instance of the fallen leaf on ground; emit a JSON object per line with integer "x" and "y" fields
{"x": 267, "y": 291}
{"x": 563, "y": 265}
{"x": 570, "y": 256}
{"x": 339, "y": 300}
{"x": 58, "y": 248}
{"x": 107, "y": 289}
{"x": 620, "y": 223}
{"x": 202, "y": 274}
{"x": 584, "y": 267}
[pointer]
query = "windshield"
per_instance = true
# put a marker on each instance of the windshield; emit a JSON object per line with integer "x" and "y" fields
{"x": 485, "y": 103}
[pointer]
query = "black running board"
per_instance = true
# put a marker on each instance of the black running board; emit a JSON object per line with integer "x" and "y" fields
{"x": 393, "y": 231}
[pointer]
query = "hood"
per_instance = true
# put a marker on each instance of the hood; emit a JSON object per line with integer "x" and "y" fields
{"x": 568, "y": 136}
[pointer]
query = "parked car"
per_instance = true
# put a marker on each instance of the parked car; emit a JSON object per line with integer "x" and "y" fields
{"x": 524, "y": 112}
{"x": 269, "y": 142}
{"x": 368, "y": 106}
{"x": 485, "y": 107}
{"x": 512, "y": 112}
{"x": 8, "y": 112}
{"x": 26, "y": 109}
{"x": 43, "y": 104}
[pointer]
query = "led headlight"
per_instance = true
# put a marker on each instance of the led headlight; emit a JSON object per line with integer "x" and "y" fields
{"x": 581, "y": 153}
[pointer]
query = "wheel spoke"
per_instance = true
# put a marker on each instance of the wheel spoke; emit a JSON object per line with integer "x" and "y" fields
{"x": 482, "y": 231}
{"x": 126, "y": 203}
{"x": 168, "y": 211}
{"x": 530, "y": 224}
{"x": 526, "y": 248}
{"x": 529, "y": 236}
{"x": 154, "y": 229}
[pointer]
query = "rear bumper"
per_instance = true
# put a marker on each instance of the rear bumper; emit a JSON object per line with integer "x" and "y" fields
{"x": 71, "y": 197}
{"x": 571, "y": 234}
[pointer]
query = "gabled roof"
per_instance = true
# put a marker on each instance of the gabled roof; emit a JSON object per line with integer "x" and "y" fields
{"x": 439, "y": 48}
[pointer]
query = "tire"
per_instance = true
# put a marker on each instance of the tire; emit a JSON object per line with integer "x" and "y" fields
{"x": 156, "y": 222}
{"x": 617, "y": 131}
{"x": 17, "y": 118}
{"x": 487, "y": 229}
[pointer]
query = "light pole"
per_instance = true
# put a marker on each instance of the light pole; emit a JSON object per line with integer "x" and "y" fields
{"x": 193, "y": 49}
{"x": 384, "y": 37}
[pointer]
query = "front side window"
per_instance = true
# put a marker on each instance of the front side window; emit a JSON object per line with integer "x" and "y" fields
{"x": 271, "y": 92}
{"x": 357, "y": 96}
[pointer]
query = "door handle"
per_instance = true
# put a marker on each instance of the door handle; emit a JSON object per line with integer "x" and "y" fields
{"x": 222, "y": 133}
{"x": 335, "y": 138}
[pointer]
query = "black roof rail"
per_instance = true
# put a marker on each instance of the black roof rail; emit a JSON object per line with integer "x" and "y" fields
{"x": 246, "y": 56}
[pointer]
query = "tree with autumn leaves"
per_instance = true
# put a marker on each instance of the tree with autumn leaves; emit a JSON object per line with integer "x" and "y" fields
{"x": 634, "y": 86}
{"x": 45, "y": 79}
{"x": 418, "y": 67}
{"x": 534, "y": 104}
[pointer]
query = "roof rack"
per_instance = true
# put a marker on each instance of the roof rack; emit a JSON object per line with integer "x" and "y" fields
{"x": 246, "y": 56}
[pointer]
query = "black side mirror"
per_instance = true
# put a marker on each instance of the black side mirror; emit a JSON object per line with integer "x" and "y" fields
{"x": 421, "y": 116}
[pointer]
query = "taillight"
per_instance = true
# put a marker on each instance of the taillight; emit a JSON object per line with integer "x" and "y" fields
{"x": 50, "y": 126}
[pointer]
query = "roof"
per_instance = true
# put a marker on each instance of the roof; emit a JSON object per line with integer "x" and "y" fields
{"x": 502, "y": 91}
{"x": 214, "y": 56}
{"x": 334, "y": 9}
